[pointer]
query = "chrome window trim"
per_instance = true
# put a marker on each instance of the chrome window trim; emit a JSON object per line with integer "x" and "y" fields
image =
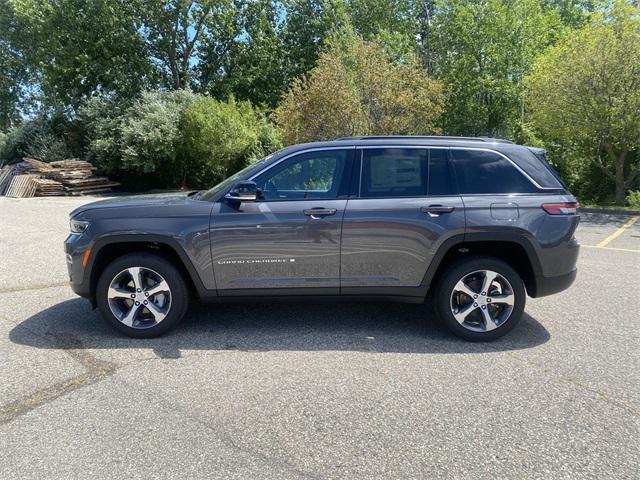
{"x": 490, "y": 150}
{"x": 439, "y": 147}
{"x": 300, "y": 152}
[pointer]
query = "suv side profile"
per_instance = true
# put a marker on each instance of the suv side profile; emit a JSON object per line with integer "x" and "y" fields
{"x": 476, "y": 223}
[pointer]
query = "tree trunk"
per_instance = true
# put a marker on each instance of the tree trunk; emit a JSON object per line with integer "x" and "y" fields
{"x": 620, "y": 184}
{"x": 618, "y": 162}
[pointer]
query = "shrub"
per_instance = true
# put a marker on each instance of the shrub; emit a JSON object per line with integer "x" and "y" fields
{"x": 222, "y": 137}
{"x": 633, "y": 199}
{"x": 168, "y": 139}
{"x": 42, "y": 137}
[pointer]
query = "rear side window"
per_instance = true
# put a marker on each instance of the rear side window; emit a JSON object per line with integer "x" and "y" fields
{"x": 394, "y": 172}
{"x": 405, "y": 172}
{"x": 481, "y": 172}
{"x": 440, "y": 178}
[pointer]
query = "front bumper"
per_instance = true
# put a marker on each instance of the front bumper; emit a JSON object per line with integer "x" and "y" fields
{"x": 75, "y": 248}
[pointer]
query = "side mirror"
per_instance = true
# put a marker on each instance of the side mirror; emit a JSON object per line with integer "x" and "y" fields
{"x": 244, "y": 191}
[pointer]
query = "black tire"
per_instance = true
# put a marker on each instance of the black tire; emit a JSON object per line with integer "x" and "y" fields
{"x": 461, "y": 269}
{"x": 179, "y": 293}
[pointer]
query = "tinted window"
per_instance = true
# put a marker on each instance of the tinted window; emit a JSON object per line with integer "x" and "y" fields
{"x": 488, "y": 172}
{"x": 440, "y": 178}
{"x": 394, "y": 172}
{"x": 306, "y": 176}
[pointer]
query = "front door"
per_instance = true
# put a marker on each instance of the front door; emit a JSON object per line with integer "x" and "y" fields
{"x": 405, "y": 205}
{"x": 288, "y": 241}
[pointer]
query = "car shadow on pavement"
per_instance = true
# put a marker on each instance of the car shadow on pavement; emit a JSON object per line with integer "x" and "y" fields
{"x": 364, "y": 327}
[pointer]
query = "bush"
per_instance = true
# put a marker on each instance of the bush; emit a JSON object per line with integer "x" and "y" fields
{"x": 222, "y": 137}
{"x": 42, "y": 137}
{"x": 169, "y": 139}
{"x": 633, "y": 199}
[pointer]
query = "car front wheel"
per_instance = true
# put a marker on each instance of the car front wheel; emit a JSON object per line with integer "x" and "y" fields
{"x": 142, "y": 295}
{"x": 480, "y": 298}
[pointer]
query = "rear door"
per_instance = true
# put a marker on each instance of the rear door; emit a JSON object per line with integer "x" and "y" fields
{"x": 288, "y": 241}
{"x": 404, "y": 205}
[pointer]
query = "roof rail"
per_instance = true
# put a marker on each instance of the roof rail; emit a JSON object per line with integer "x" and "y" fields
{"x": 426, "y": 137}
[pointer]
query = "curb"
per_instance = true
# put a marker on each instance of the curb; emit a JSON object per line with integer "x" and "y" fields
{"x": 610, "y": 211}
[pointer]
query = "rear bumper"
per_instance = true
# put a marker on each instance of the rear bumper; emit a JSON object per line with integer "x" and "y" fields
{"x": 550, "y": 285}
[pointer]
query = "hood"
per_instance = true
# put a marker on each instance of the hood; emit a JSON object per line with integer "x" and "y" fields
{"x": 154, "y": 200}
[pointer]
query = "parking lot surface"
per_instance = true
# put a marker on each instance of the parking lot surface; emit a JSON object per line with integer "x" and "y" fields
{"x": 316, "y": 391}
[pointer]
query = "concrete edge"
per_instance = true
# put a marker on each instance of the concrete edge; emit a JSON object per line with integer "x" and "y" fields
{"x": 610, "y": 211}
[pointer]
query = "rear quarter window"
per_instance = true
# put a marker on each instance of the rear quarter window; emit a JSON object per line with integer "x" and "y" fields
{"x": 486, "y": 172}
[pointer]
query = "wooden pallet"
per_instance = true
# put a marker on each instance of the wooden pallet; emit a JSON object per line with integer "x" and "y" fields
{"x": 22, "y": 186}
{"x": 6, "y": 174}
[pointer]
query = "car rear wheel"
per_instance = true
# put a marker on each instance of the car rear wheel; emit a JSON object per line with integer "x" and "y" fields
{"x": 480, "y": 298}
{"x": 142, "y": 295}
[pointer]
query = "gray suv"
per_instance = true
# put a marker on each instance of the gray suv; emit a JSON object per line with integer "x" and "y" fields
{"x": 474, "y": 223}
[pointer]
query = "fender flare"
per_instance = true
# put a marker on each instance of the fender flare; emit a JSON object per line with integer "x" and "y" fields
{"x": 168, "y": 241}
{"x": 460, "y": 239}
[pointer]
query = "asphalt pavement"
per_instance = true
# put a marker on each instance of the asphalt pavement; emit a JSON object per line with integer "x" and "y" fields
{"x": 316, "y": 391}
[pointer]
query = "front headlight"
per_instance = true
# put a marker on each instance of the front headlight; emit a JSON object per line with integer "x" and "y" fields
{"x": 78, "y": 226}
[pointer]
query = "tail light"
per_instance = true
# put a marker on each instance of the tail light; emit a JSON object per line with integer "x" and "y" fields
{"x": 561, "y": 208}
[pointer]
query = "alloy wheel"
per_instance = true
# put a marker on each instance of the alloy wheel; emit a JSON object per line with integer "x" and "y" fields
{"x": 139, "y": 297}
{"x": 482, "y": 301}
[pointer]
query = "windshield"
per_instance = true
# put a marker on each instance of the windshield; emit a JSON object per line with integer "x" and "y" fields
{"x": 229, "y": 181}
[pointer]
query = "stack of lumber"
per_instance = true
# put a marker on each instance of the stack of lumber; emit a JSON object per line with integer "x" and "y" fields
{"x": 64, "y": 177}
{"x": 48, "y": 188}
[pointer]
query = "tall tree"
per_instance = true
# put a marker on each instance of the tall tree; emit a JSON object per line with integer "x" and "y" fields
{"x": 585, "y": 93}
{"x": 13, "y": 70}
{"x": 75, "y": 48}
{"x": 175, "y": 32}
{"x": 357, "y": 89}
{"x": 484, "y": 50}
{"x": 307, "y": 24}
{"x": 253, "y": 67}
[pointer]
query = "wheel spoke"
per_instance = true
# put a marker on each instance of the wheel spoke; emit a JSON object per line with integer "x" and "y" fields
{"x": 507, "y": 299}
{"x": 464, "y": 312}
{"x": 464, "y": 288}
{"x": 489, "y": 323}
{"x": 131, "y": 315}
{"x": 158, "y": 314}
{"x": 489, "y": 277}
{"x": 136, "y": 275}
{"x": 161, "y": 286}
{"x": 115, "y": 292}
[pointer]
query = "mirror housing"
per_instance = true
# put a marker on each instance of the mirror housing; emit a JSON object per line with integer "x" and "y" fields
{"x": 244, "y": 191}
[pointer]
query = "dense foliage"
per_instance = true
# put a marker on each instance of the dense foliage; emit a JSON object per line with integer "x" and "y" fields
{"x": 159, "y": 93}
{"x": 584, "y": 94}
{"x": 174, "y": 138}
{"x": 356, "y": 89}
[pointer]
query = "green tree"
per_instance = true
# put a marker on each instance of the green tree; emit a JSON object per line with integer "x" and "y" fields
{"x": 75, "y": 48}
{"x": 254, "y": 66}
{"x": 177, "y": 32}
{"x": 14, "y": 75}
{"x": 484, "y": 49}
{"x": 585, "y": 94}
{"x": 356, "y": 89}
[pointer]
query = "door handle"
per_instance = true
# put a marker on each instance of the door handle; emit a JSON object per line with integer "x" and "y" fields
{"x": 319, "y": 212}
{"x": 436, "y": 210}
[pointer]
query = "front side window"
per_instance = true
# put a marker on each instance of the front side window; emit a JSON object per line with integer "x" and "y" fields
{"x": 482, "y": 172}
{"x": 308, "y": 176}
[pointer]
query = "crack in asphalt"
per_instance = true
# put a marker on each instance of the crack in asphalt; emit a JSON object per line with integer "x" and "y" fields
{"x": 41, "y": 286}
{"x": 95, "y": 371}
